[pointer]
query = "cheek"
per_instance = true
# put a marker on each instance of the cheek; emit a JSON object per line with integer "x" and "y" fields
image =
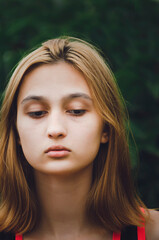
{"x": 88, "y": 145}
{"x": 23, "y": 132}
{"x": 27, "y": 136}
{"x": 89, "y": 133}
{"x": 29, "y": 145}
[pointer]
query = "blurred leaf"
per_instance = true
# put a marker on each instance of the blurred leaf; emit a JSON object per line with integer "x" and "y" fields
{"x": 127, "y": 32}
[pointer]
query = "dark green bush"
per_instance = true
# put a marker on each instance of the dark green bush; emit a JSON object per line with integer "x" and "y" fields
{"x": 127, "y": 32}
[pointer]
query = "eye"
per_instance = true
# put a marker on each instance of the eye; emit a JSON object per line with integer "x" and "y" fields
{"x": 37, "y": 114}
{"x": 77, "y": 112}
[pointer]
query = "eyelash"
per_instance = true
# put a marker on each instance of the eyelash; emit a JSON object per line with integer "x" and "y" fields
{"x": 77, "y": 112}
{"x": 40, "y": 114}
{"x": 37, "y": 114}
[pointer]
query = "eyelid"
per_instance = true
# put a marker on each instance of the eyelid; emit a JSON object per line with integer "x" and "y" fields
{"x": 34, "y": 114}
{"x": 35, "y": 104}
{"x": 78, "y": 113}
{"x": 79, "y": 103}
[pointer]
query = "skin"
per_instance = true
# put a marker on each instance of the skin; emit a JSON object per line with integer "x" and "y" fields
{"x": 48, "y": 115}
{"x": 55, "y": 107}
{"x": 57, "y": 119}
{"x": 152, "y": 226}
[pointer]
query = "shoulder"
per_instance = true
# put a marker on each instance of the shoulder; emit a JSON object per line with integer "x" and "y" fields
{"x": 6, "y": 236}
{"x": 152, "y": 226}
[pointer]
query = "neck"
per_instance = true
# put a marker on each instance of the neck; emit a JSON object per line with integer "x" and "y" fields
{"x": 62, "y": 201}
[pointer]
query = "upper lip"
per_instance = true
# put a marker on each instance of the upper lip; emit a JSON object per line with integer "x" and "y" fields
{"x": 57, "y": 147}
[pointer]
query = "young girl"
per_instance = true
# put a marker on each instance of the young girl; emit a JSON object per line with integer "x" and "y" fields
{"x": 64, "y": 158}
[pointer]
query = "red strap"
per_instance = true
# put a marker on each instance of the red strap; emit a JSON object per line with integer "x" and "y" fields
{"x": 18, "y": 237}
{"x": 141, "y": 233}
{"x": 141, "y": 230}
{"x": 116, "y": 236}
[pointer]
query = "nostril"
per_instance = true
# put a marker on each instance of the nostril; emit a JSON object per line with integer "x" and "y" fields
{"x": 56, "y": 135}
{"x": 56, "y": 127}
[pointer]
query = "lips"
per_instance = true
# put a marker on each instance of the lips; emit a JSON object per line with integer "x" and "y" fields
{"x": 57, "y": 151}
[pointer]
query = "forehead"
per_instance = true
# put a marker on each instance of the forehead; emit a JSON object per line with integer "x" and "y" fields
{"x": 54, "y": 81}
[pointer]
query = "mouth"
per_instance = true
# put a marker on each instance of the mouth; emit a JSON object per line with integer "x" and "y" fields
{"x": 57, "y": 151}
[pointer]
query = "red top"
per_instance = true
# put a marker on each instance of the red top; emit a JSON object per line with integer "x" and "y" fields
{"x": 18, "y": 237}
{"x": 116, "y": 236}
{"x": 140, "y": 234}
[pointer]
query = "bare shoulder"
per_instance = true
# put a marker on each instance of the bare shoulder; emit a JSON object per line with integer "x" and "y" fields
{"x": 152, "y": 226}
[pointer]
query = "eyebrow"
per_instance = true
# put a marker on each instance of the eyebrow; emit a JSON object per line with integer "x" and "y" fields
{"x": 65, "y": 98}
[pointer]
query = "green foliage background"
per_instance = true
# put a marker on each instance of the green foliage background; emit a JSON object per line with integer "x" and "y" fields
{"x": 127, "y": 32}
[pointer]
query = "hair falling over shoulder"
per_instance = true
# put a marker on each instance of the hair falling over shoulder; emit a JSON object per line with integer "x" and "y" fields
{"x": 112, "y": 200}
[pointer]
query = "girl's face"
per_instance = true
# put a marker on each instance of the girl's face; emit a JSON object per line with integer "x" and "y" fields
{"x": 59, "y": 129}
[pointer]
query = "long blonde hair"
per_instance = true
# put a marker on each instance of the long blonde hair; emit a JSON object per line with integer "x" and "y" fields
{"x": 112, "y": 201}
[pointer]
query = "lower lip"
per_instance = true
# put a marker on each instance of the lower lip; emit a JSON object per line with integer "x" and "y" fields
{"x": 58, "y": 154}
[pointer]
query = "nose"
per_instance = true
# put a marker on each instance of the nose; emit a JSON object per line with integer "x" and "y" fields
{"x": 56, "y": 126}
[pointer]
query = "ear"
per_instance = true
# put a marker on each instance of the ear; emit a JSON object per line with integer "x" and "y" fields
{"x": 104, "y": 137}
